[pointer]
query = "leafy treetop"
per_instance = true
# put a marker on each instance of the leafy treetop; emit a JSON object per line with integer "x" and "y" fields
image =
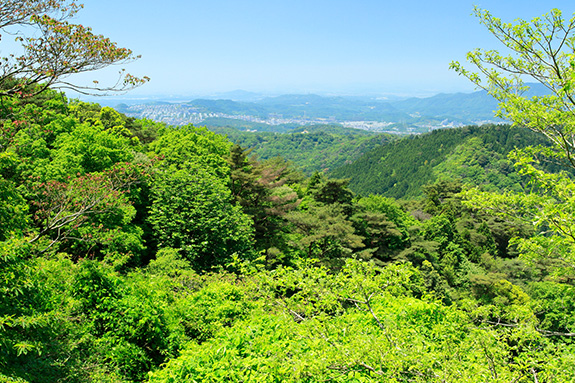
{"x": 54, "y": 49}
{"x": 541, "y": 50}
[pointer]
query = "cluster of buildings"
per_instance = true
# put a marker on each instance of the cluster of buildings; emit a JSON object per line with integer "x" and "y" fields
{"x": 182, "y": 114}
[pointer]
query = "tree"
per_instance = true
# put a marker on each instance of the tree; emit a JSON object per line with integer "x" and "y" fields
{"x": 187, "y": 143}
{"x": 19, "y": 12}
{"x": 323, "y": 232}
{"x": 384, "y": 225}
{"x": 260, "y": 189}
{"x": 13, "y": 207}
{"x": 543, "y": 51}
{"x": 87, "y": 211}
{"x": 192, "y": 212}
{"x": 54, "y": 49}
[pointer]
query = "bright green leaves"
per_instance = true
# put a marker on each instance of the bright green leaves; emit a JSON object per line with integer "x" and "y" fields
{"x": 541, "y": 50}
{"x": 215, "y": 306}
{"x": 76, "y": 180}
{"x": 13, "y": 207}
{"x": 84, "y": 150}
{"x": 473, "y": 163}
{"x": 554, "y": 304}
{"x": 359, "y": 325}
{"x": 52, "y": 145}
{"x": 549, "y": 209}
{"x": 192, "y": 211}
{"x": 126, "y": 319}
{"x": 178, "y": 146}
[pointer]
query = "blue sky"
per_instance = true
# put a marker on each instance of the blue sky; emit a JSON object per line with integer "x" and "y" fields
{"x": 301, "y": 46}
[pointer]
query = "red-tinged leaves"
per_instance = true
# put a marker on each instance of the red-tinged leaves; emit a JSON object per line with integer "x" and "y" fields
{"x": 58, "y": 49}
{"x": 65, "y": 211}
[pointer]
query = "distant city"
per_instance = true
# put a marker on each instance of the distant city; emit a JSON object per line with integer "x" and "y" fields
{"x": 180, "y": 114}
{"x": 408, "y": 116}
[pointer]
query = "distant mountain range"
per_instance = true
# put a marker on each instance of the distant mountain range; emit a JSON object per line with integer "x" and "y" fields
{"x": 412, "y": 115}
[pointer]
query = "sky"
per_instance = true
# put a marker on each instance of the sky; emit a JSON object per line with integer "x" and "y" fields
{"x": 345, "y": 47}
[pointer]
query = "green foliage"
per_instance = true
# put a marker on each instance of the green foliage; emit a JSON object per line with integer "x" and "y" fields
{"x": 324, "y": 232}
{"x": 389, "y": 207}
{"x": 13, "y": 207}
{"x": 548, "y": 209}
{"x": 311, "y": 148}
{"x": 553, "y": 304}
{"x": 185, "y": 144}
{"x": 88, "y": 214}
{"x": 132, "y": 251}
{"x": 75, "y": 307}
{"x": 332, "y": 191}
{"x": 86, "y": 149}
{"x": 192, "y": 211}
{"x": 261, "y": 189}
{"x": 384, "y": 225}
{"x": 361, "y": 325}
{"x": 474, "y": 155}
{"x": 473, "y": 163}
{"x": 539, "y": 50}
{"x": 214, "y": 307}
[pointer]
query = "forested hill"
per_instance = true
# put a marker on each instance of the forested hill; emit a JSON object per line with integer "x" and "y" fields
{"x": 476, "y": 155}
{"x": 311, "y": 148}
{"x": 132, "y": 251}
{"x": 460, "y": 106}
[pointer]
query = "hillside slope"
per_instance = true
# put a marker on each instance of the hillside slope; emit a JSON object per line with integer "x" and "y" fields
{"x": 311, "y": 148}
{"x": 473, "y": 154}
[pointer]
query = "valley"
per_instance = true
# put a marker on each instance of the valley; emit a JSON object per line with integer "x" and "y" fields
{"x": 277, "y": 114}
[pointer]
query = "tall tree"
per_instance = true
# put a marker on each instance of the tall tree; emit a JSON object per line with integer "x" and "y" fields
{"x": 260, "y": 188}
{"x": 192, "y": 212}
{"x": 540, "y": 51}
{"x": 543, "y": 51}
{"x": 53, "y": 49}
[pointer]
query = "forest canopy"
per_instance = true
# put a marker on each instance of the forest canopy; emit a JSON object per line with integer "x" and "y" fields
{"x": 133, "y": 251}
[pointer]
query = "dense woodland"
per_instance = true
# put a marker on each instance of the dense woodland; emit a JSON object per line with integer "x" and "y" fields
{"x": 317, "y": 148}
{"x": 384, "y": 164}
{"x": 130, "y": 247}
{"x": 132, "y": 251}
{"x": 477, "y": 156}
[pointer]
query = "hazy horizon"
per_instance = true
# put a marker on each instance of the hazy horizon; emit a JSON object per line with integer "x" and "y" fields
{"x": 335, "y": 47}
{"x": 134, "y": 98}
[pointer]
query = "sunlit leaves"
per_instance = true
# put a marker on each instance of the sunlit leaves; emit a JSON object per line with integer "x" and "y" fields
{"x": 361, "y": 325}
{"x": 549, "y": 209}
{"x": 14, "y": 12}
{"x": 192, "y": 211}
{"x": 57, "y": 50}
{"x": 541, "y": 51}
{"x": 178, "y": 146}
